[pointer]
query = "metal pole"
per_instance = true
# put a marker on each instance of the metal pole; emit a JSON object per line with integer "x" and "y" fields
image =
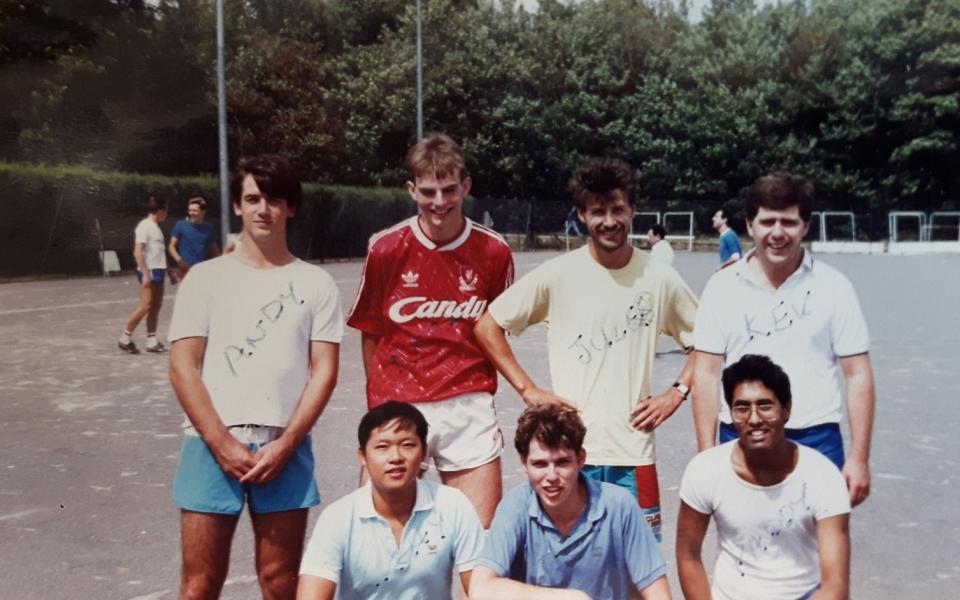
{"x": 222, "y": 132}
{"x": 419, "y": 76}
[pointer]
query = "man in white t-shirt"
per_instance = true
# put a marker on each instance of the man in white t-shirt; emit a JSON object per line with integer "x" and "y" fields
{"x": 255, "y": 347}
{"x": 150, "y": 254}
{"x": 606, "y": 303}
{"x": 398, "y": 537}
{"x": 660, "y": 248}
{"x": 781, "y": 509}
{"x": 779, "y": 301}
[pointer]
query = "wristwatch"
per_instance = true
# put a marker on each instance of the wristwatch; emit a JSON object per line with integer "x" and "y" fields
{"x": 682, "y": 389}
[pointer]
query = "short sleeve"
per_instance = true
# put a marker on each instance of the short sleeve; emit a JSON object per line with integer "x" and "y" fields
{"x": 525, "y": 303}
{"x": 367, "y": 312}
{"x": 327, "y": 315}
{"x": 680, "y": 312}
{"x": 708, "y": 333}
{"x": 191, "y": 314}
{"x": 325, "y": 550}
{"x": 468, "y": 536}
{"x": 848, "y": 328}
{"x": 140, "y": 234}
{"x": 177, "y": 231}
{"x": 697, "y": 483}
{"x": 641, "y": 551}
{"x": 505, "y": 275}
{"x": 507, "y": 534}
{"x": 831, "y": 495}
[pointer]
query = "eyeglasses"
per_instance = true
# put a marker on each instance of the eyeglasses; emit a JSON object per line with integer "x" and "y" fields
{"x": 765, "y": 412}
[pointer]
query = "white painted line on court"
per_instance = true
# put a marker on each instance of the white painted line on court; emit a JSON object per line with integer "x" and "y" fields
{"x": 17, "y": 515}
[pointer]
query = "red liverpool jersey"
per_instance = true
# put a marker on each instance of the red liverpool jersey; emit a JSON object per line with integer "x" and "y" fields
{"x": 423, "y": 302}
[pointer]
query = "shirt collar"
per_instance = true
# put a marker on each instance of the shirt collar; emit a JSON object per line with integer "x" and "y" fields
{"x": 744, "y": 272}
{"x": 365, "y": 509}
{"x": 428, "y": 243}
{"x": 594, "y": 508}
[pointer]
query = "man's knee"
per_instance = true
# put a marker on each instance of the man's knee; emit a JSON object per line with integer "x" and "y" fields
{"x": 200, "y": 585}
{"x": 278, "y": 579}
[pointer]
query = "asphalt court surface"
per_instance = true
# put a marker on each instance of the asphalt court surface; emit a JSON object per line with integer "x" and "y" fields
{"x": 89, "y": 436}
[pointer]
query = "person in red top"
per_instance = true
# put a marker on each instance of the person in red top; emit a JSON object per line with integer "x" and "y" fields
{"x": 426, "y": 283}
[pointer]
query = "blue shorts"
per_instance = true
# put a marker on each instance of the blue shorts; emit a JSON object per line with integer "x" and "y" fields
{"x": 156, "y": 275}
{"x": 201, "y": 485}
{"x": 824, "y": 438}
{"x": 641, "y": 482}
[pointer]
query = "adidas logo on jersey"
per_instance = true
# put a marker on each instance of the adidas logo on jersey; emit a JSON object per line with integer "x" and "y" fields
{"x": 421, "y": 307}
{"x": 410, "y": 279}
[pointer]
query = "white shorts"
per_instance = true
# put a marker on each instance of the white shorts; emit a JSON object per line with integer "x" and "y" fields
{"x": 463, "y": 431}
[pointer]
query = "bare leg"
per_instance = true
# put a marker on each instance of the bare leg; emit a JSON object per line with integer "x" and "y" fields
{"x": 145, "y": 295}
{"x": 156, "y": 301}
{"x": 483, "y": 485}
{"x": 205, "y": 539}
{"x": 279, "y": 542}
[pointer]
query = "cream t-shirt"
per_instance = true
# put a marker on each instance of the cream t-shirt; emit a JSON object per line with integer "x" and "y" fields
{"x": 602, "y": 329}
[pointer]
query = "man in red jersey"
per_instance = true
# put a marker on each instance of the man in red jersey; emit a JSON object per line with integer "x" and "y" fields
{"x": 426, "y": 283}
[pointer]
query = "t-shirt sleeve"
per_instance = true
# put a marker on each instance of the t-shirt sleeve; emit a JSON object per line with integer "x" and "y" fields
{"x": 468, "y": 536}
{"x": 680, "y": 311}
{"x": 507, "y": 535}
{"x": 367, "y": 312}
{"x": 141, "y": 233}
{"x": 641, "y": 551}
{"x": 830, "y": 488}
{"x": 325, "y": 550}
{"x": 191, "y": 314}
{"x": 524, "y": 303}
{"x": 696, "y": 485}
{"x": 505, "y": 272}
{"x": 848, "y": 328}
{"x": 708, "y": 334}
{"x": 327, "y": 315}
{"x": 177, "y": 231}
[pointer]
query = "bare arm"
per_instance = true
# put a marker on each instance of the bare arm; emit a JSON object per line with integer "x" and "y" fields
{"x": 733, "y": 258}
{"x": 311, "y": 587}
{"x": 486, "y": 584}
{"x": 186, "y": 357}
{"x": 140, "y": 258}
{"x": 833, "y": 538}
{"x": 494, "y": 343}
{"x": 658, "y": 590}
{"x": 653, "y": 411}
{"x": 368, "y": 347}
{"x": 172, "y": 249}
{"x": 691, "y": 530}
{"x": 861, "y": 401}
{"x": 706, "y": 398}
{"x": 273, "y": 457}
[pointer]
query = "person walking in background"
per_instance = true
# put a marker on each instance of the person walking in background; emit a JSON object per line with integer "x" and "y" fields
{"x": 729, "y": 242}
{"x": 150, "y": 255}
{"x": 193, "y": 240}
{"x": 660, "y": 248}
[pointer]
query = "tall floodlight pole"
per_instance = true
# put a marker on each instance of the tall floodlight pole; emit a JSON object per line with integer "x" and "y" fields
{"x": 222, "y": 132}
{"x": 419, "y": 76}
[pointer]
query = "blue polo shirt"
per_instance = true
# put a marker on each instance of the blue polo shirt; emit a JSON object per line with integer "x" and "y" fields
{"x": 352, "y": 546}
{"x": 729, "y": 245}
{"x": 192, "y": 240}
{"x": 609, "y": 551}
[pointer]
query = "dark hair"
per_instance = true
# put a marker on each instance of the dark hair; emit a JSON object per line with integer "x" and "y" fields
{"x": 438, "y": 155}
{"x": 553, "y": 425}
{"x": 407, "y": 414}
{"x": 757, "y": 367}
{"x": 155, "y": 205}
{"x": 599, "y": 178}
{"x": 275, "y": 177}
{"x": 780, "y": 191}
{"x": 659, "y": 231}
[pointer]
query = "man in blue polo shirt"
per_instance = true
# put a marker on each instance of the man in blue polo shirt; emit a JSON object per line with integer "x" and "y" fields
{"x": 562, "y": 535}
{"x": 729, "y": 243}
{"x": 192, "y": 237}
{"x": 397, "y": 537}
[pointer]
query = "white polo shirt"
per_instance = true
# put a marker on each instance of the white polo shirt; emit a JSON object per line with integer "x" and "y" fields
{"x": 352, "y": 545}
{"x": 805, "y": 326}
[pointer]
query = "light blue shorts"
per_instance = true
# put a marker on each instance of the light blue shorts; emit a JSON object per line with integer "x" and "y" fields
{"x": 200, "y": 485}
{"x": 641, "y": 482}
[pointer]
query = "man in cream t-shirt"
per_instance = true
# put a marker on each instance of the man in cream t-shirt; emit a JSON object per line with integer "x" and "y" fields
{"x": 605, "y": 304}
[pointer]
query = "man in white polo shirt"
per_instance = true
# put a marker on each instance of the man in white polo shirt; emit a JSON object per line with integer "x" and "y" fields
{"x": 398, "y": 537}
{"x": 804, "y": 315}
